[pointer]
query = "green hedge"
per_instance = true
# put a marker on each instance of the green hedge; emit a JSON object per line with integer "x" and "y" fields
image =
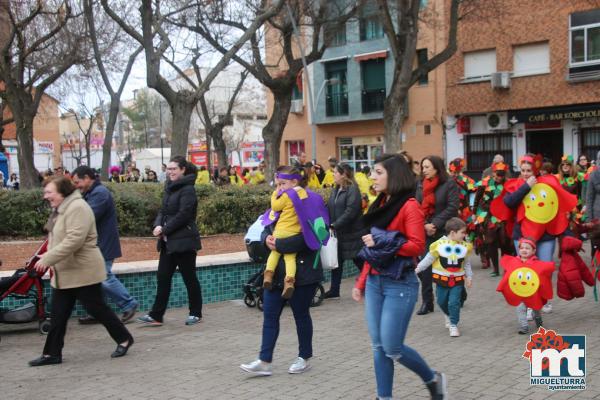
{"x": 228, "y": 210}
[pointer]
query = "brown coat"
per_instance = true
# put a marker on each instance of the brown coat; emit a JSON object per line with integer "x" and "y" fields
{"x": 72, "y": 251}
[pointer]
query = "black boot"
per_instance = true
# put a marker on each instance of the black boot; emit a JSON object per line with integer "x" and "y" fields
{"x": 426, "y": 308}
{"x": 437, "y": 387}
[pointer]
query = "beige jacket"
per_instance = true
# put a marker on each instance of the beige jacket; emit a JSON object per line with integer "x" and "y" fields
{"x": 72, "y": 250}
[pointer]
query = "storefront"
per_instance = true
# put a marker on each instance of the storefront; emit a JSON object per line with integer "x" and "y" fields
{"x": 552, "y": 132}
{"x": 360, "y": 151}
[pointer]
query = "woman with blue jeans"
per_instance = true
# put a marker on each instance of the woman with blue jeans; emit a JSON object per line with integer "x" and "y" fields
{"x": 390, "y": 297}
{"x": 309, "y": 274}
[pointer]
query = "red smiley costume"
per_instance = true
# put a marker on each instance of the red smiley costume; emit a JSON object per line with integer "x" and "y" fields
{"x": 526, "y": 282}
{"x": 544, "y": 209}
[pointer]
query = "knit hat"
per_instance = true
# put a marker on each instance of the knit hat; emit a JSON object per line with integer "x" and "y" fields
{"x": 527, "y": 240}
{"x": 499, "y": 166}
{"x": 456, "y": 165}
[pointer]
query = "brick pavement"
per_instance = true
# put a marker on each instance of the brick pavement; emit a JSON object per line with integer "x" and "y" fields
{"x": 201, "y": 362}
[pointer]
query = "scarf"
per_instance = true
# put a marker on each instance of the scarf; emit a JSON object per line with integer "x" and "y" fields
{"x": 382, "y": 212}
{"x": 428, "y": 203}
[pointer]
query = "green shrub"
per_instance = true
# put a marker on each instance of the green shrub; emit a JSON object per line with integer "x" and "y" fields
{"x": 220, "y": 210}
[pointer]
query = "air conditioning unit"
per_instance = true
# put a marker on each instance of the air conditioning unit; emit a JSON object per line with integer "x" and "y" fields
{"x": 497, "y": 121}
{"x": 500, "y": 80}
{"x": 297, "y": 106}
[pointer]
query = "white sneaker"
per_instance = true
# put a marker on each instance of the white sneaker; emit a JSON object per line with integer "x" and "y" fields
{"x": 258, "y": 367}
{"x": 299, "y": 366}
{"x": 447, "y": 318}
{"x": 547, "y": 308}
{"x": 454, "y": 332}
{"x": 529, "y": 314}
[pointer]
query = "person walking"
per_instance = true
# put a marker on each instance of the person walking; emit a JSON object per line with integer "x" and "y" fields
{"x": 178, "y": 241}
{"x": 102, "y": 204}
{"x": 390, "y": 292}
{"x": 438, "y": 195}
{"x": 308, "y": 276}
{"x": 344, "y": 207}
{"x": 76, "y": 269}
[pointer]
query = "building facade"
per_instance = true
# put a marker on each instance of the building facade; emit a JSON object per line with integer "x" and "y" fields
{"x": 526, "y": 79}
{"x": 349, "y": 86}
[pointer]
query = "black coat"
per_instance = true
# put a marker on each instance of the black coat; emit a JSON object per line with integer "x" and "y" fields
{"x": 446, "y": 204}
{"x": 177, "y": 216}
{"x": 345, "y": 213}
{"x": 307, "y": 273}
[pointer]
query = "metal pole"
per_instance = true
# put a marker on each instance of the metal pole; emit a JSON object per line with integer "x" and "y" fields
{"x": 162, "y": 159}
{"x": 313, "y": 126}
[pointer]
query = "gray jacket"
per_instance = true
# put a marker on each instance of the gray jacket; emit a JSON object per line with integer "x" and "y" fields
{"x": 344, "y": 207}
{"x": 446, "y": 204}
{"x": 592, "y": 198}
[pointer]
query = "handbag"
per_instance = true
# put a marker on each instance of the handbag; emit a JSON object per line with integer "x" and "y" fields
{"x": 329, "y": 252}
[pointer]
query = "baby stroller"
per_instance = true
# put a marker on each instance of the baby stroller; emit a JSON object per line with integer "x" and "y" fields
{"x": 26, "y": 283}
{"x": 258, "y": 252}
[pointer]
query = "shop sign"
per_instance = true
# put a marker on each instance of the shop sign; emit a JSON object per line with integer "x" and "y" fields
{"x": 576, "y": 112}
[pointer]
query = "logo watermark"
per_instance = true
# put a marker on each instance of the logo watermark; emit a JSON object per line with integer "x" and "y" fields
{"x": 557, "y": 361}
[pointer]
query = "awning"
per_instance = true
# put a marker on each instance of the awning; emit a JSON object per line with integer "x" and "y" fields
{"x": 371, "y": 56}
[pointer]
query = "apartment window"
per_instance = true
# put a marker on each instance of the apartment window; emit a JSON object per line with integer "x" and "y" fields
{"x": 479, "y": 65}
{"x": 427, "y": 129}
{"x": 422, "y": 59}
{"x": 336, "y": 100}
{"x": 296, "y": 93}
{"x": 373, "y": 83}
{"x": 584, "y": 34}
{"x": 531, "y": 59}
{"x": 370, "y": 28}
{"x": 337, "y": 34}
{"x": 482, "y": 148}
{"x": 590, "y": 142}
{"x": 294, "y": 148}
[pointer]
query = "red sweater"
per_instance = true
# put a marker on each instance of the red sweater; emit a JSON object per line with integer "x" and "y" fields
{"x": 410, "y": 222}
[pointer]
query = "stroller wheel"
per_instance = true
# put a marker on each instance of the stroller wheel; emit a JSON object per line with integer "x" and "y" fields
{"x": 249, "y": 300}
{"x": 44, "y": 326}
{"x": 319, "y": 296}
{"x": 259, "y": 303}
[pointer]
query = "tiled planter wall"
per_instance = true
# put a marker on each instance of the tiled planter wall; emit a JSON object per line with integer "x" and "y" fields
{"x": 219, "y": 283}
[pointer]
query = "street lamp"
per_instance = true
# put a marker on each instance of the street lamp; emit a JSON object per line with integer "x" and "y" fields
{"x": 163, "y": 136}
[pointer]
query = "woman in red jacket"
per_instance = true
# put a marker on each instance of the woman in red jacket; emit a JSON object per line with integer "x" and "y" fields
{"x": 389, "y": 302}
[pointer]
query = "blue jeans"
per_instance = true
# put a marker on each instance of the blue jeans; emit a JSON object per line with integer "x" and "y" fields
{"x": 115, "y": 290}
{"x": 388, "y": 307}
{"x": 273, "y": 306}
{"x": 450, "y": 300}
{"x": 544, "y": 250}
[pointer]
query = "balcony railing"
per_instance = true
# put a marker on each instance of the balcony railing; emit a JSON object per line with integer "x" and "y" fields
{"x": 336, "y": 104}
{"x": 372, "y": 100}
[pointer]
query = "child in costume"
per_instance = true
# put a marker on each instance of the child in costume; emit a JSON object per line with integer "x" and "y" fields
{"x": 451, "y": 270}
{"x": 287, "y": 225}
{"x": 526, "y": 283}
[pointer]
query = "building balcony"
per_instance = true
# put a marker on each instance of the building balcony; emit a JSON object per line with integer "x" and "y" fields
{"x": 336, "y": 104}
{"x": 372, "y": 100}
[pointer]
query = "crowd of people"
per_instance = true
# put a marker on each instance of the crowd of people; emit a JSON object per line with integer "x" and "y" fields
{"x": 398, "y": 222}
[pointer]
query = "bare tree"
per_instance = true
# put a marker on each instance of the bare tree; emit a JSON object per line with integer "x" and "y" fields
{"x": 317, "y": 21}
{"x": 43, "y": 42}
{"x": 401, "y": 19}
{"x": 214, "y": 129}
{"x": 156, "y": 20}
{"x": 107, "y": 42}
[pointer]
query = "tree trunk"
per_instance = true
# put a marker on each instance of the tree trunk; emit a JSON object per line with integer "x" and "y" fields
{"x": 27, "y": 173}
{"x": 273, "y": 130}
{"x": 88, "y": 155}
{"x": 181, "y": 110}
{"x": 393, "y": 115}
{"x": 220, "y": 146}
{"x": 110, "y": 129}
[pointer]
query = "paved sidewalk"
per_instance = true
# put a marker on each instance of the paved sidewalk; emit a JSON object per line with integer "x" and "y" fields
{"x": 201, "y": 362}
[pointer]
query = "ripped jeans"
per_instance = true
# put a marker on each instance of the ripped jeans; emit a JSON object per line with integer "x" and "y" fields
{"x": 389, "y": 305}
